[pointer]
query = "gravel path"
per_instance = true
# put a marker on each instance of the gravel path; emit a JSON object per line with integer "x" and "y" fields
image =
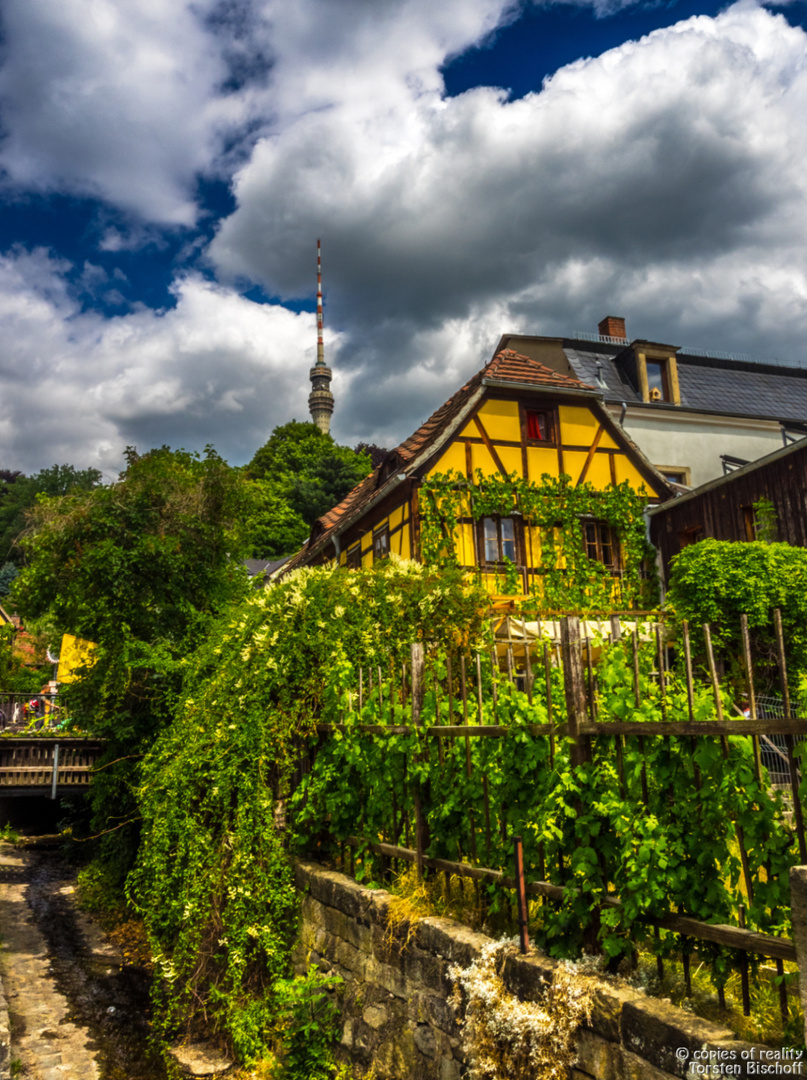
{"x": 77, "y": 1012}
{"x": 45, "y": 1043}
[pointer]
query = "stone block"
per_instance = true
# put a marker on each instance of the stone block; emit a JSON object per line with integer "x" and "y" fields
{"x": 449, "y": 1069}
{"x": 607, "y": 1003}
{"x": 375, "y": 1016}
{"x": 528, "y": 976}
{"x": 379, "y": 906}
{"x": 398, "y": 1059}
{"x": 425, "y": 1040}
{"x": 434, "y": 1009}
{"x": 598, "y": 1056}
{"x": 655, "y": 1030}
{"x": 450, "y": 940}
{"x": 365, "y": 1043}
{"x": 351, "y": 959}
{"x": 386, "y": 977}
{"x": 347, "y": 1033}
{"x": 424, "y": 969}
{"x": 636, "y": 1068}
{"x": 330, "y": 888}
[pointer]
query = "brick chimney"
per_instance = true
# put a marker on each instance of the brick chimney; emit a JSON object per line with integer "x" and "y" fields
{"x": 612, "y": 326}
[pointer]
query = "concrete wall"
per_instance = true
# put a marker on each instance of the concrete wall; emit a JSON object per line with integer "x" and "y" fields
{"x": 696, "y": 440}
{"x": 397, "y": 1017}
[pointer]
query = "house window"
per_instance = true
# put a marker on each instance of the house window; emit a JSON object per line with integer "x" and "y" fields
{"x": 381, "y": 543}
{"x": 601, "y": 544}
{"x": 353, "y": 557}
{"x": 690, "y": 536}
{"x": 658, "y": 385}
{"x": 497, "y": 540}
{"x": 676, "y": 475}
{"x": 539, "y": 426}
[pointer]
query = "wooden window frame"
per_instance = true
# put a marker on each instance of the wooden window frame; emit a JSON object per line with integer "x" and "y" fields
{"x": 518, "y": 540}
{"x": 605, "y": 536}
{"x": 693, "y": 535}
{"x": 381, "y": 542}
{"x": 552, "y": 426}
{"x": 353, "y": 556}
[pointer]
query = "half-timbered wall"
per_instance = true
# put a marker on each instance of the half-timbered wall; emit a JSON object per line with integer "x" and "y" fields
{"x": 496, "y": 439}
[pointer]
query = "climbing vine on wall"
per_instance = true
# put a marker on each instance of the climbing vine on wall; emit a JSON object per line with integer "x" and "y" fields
{"x": 555, "y": 511}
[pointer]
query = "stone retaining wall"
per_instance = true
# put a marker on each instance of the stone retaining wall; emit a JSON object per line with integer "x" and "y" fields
{"x": 397, "y": 1017}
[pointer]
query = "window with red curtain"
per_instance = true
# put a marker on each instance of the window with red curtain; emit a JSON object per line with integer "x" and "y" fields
{"x": 538, "y": 426}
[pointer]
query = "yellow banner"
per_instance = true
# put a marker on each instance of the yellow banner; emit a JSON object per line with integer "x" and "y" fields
{"x": 74, "y": 653}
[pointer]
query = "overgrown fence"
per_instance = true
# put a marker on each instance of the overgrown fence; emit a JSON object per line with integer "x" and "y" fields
{"x": 611, "y": 777}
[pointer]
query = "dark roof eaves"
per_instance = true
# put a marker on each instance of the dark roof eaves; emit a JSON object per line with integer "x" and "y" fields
{"x": 512, "y": 384}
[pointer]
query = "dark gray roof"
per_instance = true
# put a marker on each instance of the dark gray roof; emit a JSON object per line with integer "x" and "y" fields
{"x": 732, "y": 387}
{"x": 264, "y": 567}
{"x": 614, "y": 385}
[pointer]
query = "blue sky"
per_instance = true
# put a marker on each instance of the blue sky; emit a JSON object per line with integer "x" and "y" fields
{"x": 471, "y": 169}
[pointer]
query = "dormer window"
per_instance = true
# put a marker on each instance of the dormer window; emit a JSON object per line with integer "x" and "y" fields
{"x": 658, "y": 386}
{"x": 656, "y": 374}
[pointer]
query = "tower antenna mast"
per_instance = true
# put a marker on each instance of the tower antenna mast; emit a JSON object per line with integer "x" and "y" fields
{"x": 320, "y": 400}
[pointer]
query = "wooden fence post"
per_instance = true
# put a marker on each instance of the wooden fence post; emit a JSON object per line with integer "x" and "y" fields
{"x": 418, "y": 689}
{"x": 521, "y": 896}
{"x": 798, "y": 904}
{"x": 574, "y": 687}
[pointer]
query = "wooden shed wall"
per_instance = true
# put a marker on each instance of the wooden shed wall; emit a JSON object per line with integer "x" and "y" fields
{"x": 719, "y": 510}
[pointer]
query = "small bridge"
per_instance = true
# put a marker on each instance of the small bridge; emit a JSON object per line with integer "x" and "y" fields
{"x": 36, "y": 758}
{"x": 46, "y": 765}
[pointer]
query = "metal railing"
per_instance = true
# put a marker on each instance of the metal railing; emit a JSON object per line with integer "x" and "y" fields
{"x": 773, "y": 748}
{"x": 29, "y": 712}
{"x": 687, "y": 350}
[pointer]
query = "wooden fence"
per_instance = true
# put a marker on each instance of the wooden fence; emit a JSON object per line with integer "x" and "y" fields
{"x": 527, "y": 661}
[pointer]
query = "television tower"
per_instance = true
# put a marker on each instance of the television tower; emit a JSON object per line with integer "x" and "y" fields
{"x": 320, "y": 400}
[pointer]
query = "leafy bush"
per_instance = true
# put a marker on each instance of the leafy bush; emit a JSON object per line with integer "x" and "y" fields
{"x": 717, "y": 581}
{"x": 213, "y": 882}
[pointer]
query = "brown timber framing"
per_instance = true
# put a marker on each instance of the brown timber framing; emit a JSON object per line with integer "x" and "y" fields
{"x": 373, "y": 506}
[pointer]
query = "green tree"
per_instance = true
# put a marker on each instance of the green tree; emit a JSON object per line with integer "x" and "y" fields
{"x": 18, "y": 495}
{"x": 142, "y": 568}
{"x": 300, "y": 473}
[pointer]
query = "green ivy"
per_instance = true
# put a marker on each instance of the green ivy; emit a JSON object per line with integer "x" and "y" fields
{"x": 213, "y": 880}
{"x": 569, "y": 579}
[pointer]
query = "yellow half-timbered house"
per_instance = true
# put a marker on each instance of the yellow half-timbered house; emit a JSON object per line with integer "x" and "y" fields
{"x": 515, "y": 416}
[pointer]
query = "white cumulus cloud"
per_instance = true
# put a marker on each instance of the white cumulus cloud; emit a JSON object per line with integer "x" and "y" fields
{"x": 79, "y": 387}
